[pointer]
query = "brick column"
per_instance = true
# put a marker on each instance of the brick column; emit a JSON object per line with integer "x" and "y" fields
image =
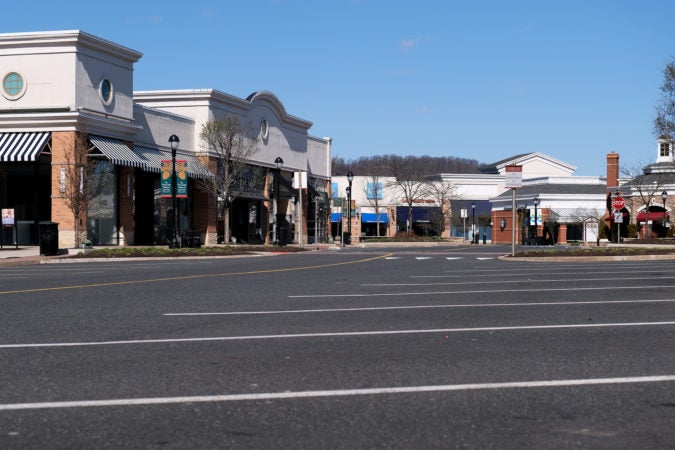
{"x": 125, "y": 186}
{"x": 562, "y": 234}
{"x": 63, "y": 145}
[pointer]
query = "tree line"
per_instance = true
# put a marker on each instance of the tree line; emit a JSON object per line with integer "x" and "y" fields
{"x": 386, "y": 165}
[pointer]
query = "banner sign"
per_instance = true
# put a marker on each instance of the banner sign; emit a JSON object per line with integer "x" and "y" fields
{"x": 181, "y": 179}
{"x": 8, "y": 217}
{"x": 514, "y": 177}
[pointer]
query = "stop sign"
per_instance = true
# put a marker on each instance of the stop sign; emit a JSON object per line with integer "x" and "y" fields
{"x": 618, "y": 203}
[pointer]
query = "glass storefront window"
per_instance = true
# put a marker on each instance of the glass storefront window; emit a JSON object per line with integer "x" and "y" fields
{"x": 101, "y": 211}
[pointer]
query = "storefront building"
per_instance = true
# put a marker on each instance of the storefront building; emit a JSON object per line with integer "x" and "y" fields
{"x": 71, "y": 126}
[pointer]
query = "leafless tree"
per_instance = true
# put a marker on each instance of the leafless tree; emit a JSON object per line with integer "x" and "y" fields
{"x": 230, "y": 144}
{"x": 443, "y": 193}
{"x": 664, "y": 123}
{"x": 410, "y": 178}
{"x": 374, "y": 193}
{"x": 74, "y": 189}
{"x": 645, "y": 185}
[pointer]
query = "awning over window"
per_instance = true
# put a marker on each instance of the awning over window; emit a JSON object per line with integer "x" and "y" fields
{"x": 336, "y": 217}
{"x": 653, "y": 215}
{"x": 117, "y": 151}
{"x": 248, "y": 195}
{"x": 372, "y": 218}
{"x": 153, "y": 158}
{"x": 22, "y": 146}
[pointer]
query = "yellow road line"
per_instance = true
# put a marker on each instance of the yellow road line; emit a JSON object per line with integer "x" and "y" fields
{"x": 191, "y": 277}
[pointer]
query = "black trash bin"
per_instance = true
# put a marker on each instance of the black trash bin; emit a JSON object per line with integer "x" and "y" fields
{"x": 283, "y": 236}
{"x": 49, "y": 238}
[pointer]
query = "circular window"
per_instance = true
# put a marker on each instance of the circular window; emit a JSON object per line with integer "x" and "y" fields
{"x": 13, "y": 85}
{"x": 264, "y": 128}
{"x": 105, "y": 90}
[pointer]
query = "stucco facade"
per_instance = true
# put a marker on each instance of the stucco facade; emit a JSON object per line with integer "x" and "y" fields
{"x": 71, "y": 86}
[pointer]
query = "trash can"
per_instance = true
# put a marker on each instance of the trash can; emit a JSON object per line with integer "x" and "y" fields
{"x": 283, "y": 236}
{"x": 49, "y": 238}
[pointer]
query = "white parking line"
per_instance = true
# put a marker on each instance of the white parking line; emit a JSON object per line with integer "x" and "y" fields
{"x": 336, "y": 393}
{"x": 342, "y": 334}
{"x": 520, "y": 281}
{"x": 484, "y": 291}
{"x": 390, "y": 308}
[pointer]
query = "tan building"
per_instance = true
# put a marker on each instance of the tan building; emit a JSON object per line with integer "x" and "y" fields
{"x": 69, "y": 94}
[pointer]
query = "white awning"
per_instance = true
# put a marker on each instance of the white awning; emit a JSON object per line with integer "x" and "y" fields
{"x": 22, "y": 146}
{"x": 117, "y": 151}
{"x": 153, "y": 161}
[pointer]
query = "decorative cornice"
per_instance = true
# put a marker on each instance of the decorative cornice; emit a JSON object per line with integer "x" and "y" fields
{"x": 67, "y": 41}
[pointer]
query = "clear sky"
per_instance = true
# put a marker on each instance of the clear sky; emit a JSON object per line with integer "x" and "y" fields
{"x": 484, "y": 80}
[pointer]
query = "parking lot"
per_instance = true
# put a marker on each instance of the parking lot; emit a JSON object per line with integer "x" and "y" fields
{"x": 357, "y": 348}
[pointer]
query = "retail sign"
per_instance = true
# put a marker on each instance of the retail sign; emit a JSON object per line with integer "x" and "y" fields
{"x": 8, "y": 217}
{"x": 514, "y": 177}
{"x": 181, "y": 178}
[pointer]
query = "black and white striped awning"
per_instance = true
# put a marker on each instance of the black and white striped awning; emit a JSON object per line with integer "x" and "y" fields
{"x": 153, "y": 160}
{"x": 117, "y": 151}
{"x": 26, "y": 147}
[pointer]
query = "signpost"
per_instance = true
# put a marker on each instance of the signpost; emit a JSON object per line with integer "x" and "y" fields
{"x": 513, "y": 180}
{"x": 618, "y": 204}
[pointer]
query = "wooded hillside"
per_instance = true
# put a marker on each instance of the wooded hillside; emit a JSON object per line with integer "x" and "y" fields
{"x": 382, "y": 165}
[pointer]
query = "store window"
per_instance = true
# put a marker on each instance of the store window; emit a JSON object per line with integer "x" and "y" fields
{"x": 101, "y": 211}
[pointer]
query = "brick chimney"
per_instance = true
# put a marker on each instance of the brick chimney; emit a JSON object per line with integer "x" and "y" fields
{"x": 612, "y": 171}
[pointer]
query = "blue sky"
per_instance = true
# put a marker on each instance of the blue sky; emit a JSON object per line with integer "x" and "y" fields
{"x": 473, "y": 79}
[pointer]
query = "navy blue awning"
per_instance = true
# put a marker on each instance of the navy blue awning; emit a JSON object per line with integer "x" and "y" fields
{"x": 420, "y": 214}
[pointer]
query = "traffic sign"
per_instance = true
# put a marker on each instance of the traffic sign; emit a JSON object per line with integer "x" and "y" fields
{"x": 618, "y": 203}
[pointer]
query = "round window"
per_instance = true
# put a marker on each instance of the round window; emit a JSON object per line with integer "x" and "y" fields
{"x": 13, "y": 85}
{"x": 264, "y": 128}
{"x": 106, "y": 91}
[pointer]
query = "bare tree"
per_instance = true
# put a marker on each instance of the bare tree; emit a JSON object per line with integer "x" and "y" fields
{"x": 410, "y": 177}
{"x": 664, "y": 123}
{"x": 230, "y": 144}
{"x": 374, "y": 195}
{"x": 646, "y": 185}
{"x": 443, "y": 193}
{"x": 74, "y": 188}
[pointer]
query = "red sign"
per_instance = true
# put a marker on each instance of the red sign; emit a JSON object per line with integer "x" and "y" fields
{"x": 618, "y": 203}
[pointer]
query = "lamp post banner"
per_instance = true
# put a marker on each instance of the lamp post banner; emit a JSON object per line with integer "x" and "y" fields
{"x": 181, "y": 179}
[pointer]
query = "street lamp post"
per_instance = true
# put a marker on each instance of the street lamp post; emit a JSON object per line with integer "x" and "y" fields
{"x": 536, "y": 231}
{"x": 173, "y": 142}
{"x": 350, "y": 178}
{"x": 278, "y": 163}
{"x": 473, "y": 223}
{"x": 664, "y": 197}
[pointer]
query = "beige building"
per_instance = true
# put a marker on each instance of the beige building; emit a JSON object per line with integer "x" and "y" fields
{"x": 68, "y": 93}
